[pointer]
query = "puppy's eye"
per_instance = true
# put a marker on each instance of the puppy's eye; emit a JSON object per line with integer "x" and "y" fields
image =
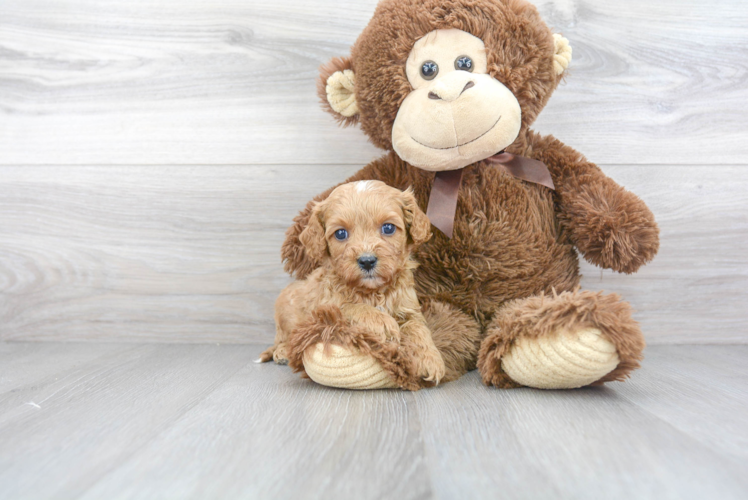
{"x": 388, "y": 229}
{"x": 464, "y": 63}
{"x": 341, "y": 235}
{"x": 429, "y": 69}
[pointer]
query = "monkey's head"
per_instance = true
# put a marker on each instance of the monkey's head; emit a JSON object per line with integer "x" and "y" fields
{"x": 446, "y": 83}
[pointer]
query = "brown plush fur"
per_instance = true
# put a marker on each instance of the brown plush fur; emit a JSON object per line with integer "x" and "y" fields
{"x": 513, "y": 240}
{"x": 456, "y": 335}
{"x": 341, "y": 302}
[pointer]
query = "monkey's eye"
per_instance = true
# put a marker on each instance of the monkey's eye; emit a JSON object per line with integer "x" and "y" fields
{"x": 429, "y": 70}
{"x": 388, "y": 229}
{"x": 464, "y": 63}
{"x": 341, "y": 235}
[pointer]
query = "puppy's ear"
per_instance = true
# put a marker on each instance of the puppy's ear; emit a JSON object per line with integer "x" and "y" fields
{"x": 313, "y": 236}
{"x": 419, "y": 226}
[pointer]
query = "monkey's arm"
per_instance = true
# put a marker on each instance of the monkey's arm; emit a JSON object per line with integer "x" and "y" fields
{"x": 295, "y": 260}
{"x": 612, "y": 227}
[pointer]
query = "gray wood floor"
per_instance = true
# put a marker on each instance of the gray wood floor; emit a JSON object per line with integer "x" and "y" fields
{"x": 102, "y": 420}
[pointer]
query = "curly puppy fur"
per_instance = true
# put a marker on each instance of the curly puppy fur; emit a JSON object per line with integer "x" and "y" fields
{"x": 512, "y": 240}
{"x": 346, "y": 302}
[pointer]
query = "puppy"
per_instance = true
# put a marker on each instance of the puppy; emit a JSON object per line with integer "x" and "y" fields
{"x": 362, "y": 235}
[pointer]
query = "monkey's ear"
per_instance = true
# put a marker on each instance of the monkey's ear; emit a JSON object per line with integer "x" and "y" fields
{"x": 336, "y": 88}
{"x": 313, "y": 236}
{"x": 562, "y": 53}
{"x": 419, "y": 226}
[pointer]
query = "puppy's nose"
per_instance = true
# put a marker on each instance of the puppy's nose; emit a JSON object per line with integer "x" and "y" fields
{"x": 367, "y": 262}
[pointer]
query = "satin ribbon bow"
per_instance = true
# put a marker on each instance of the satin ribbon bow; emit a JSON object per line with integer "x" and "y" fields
{"x": 443, "y": 199}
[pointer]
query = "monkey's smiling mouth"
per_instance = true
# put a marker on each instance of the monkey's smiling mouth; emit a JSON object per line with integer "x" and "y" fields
{"x": 464, "y": 143}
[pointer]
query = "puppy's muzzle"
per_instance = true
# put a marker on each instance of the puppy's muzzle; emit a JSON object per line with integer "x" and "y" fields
{"x": 367, "y": 262}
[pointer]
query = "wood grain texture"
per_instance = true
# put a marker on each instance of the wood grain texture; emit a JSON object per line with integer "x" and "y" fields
{"x": 200, "y": 421}
{"x": 701, "y": 391}
{"x": 75, "y": 425}
{"x": 590, "y": 443}
{"x": 23, "y": 363}
{"x": 266, "y": 433}
{"x": 191, "y": 254}
{"x": 232, "y": 82}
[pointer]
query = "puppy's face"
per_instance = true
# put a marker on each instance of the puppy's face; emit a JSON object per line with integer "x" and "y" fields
{"x": 367, "y": 230}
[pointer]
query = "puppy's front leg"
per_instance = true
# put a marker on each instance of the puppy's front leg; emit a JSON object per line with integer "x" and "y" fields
{"x": 417, "y": 341}
{"x": 289, "y": 311}
{"x": 373, "y": 320}
{"x": 277, "y": 352}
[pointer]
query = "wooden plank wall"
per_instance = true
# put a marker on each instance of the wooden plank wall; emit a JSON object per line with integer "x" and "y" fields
{"x": 152, "y": 154}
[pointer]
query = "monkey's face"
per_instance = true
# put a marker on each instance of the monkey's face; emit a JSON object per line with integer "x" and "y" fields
{"x": 446, "y": 83}
{"x": 457, "y": 113}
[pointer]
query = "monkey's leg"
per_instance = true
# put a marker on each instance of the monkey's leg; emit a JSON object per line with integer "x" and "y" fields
{"x": 334, "y": 352}
{"x": 564, "y": 341}
{"x": 456, "y": 335}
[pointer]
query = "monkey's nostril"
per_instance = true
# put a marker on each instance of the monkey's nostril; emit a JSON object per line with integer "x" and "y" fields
{"x": 434, "y": 96}
{"x": 467, "y": 86}
{"x": 367, "y": 262}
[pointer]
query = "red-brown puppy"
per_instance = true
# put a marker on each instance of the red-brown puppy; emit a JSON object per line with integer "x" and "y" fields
{"x": 363, "y": 233}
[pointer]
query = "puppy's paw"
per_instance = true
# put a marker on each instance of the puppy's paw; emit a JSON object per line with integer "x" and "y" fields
{"x": 431, "y": 366}
{"x": 277, "y": 353}
{"x": 389, "y": 327}
{"x": 373, "y": 320}
{"x": 266, "y": 355}
{"x": 280, "y": 355}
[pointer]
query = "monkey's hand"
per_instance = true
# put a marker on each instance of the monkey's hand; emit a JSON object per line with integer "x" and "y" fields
{"x": 612, "y": 227}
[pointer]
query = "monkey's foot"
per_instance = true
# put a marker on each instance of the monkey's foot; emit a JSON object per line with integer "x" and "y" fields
{"x": 345, "y": 368}
{"x": 563, "y": 341}
{"x": 335, "y": 353}
{"x": 564, "y": 361}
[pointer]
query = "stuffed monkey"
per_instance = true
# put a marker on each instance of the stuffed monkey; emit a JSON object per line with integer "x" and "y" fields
{"x": 449, "y": 89}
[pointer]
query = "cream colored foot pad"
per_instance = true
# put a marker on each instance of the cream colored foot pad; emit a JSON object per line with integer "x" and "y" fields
{"x": 564, "y": 361}
{"x": 345, "y": 369}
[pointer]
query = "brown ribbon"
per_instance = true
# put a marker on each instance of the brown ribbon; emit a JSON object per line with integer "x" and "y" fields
{"x": 443, "y": 199}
